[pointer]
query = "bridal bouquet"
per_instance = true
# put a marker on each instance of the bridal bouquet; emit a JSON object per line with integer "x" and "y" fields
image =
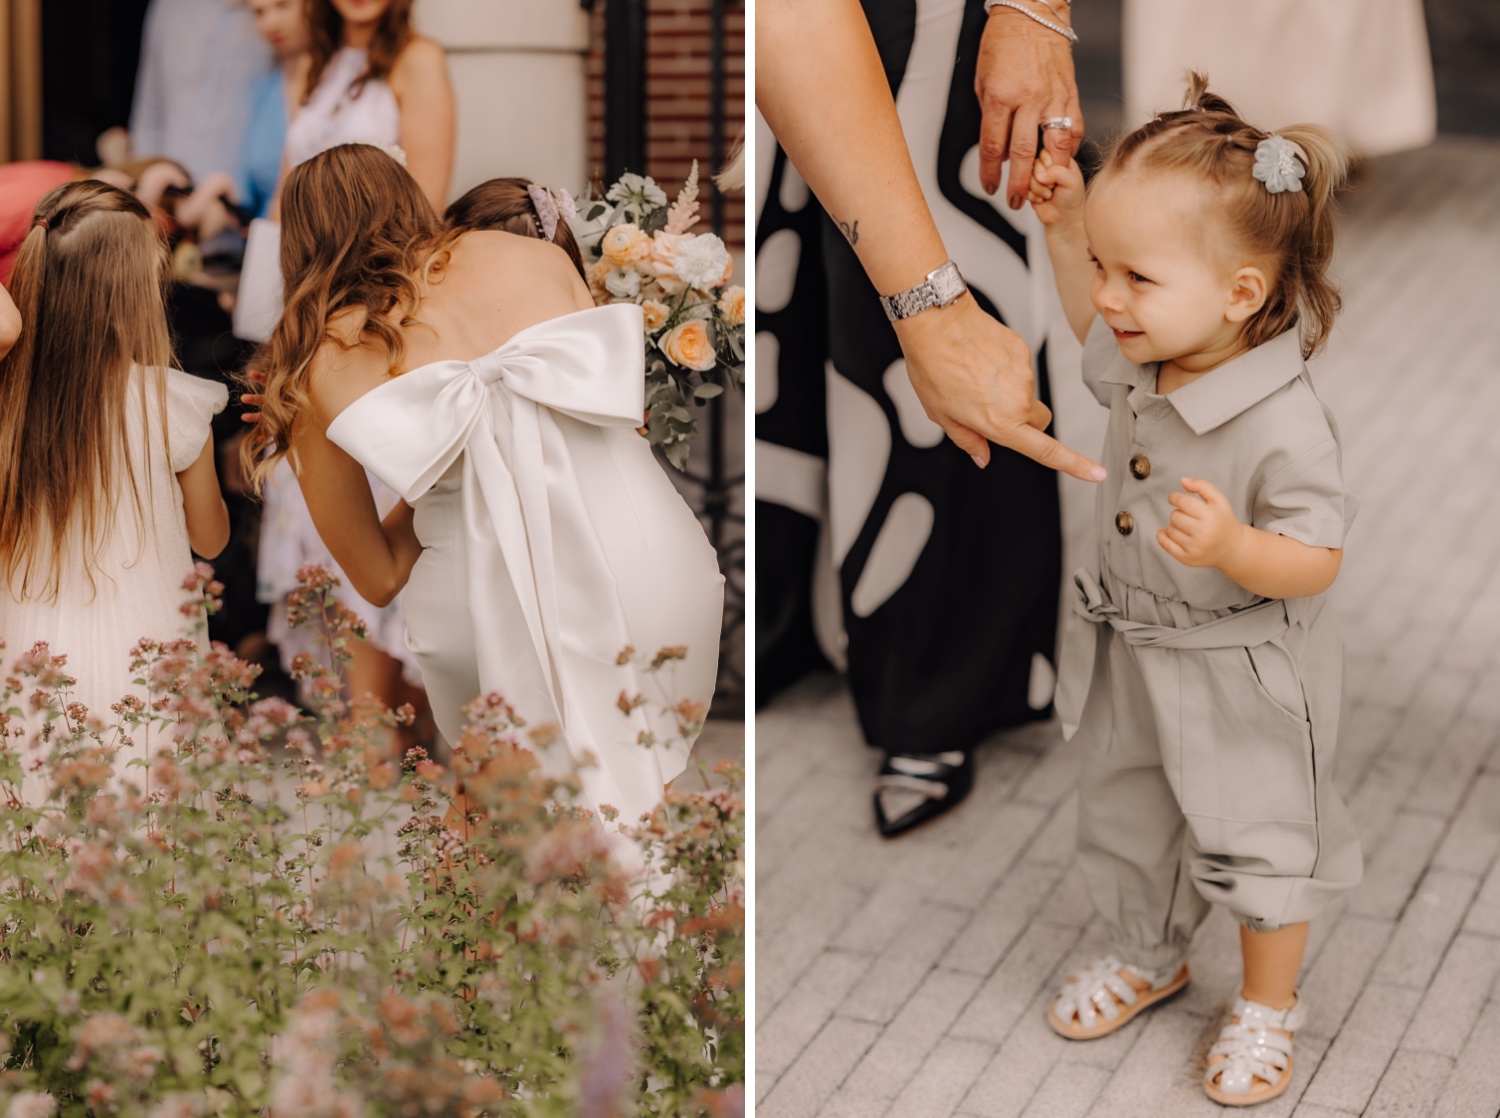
{"x": 638, "y": 250}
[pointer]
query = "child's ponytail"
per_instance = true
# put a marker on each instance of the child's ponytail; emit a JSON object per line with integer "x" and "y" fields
{"x": 1309, "y": 240}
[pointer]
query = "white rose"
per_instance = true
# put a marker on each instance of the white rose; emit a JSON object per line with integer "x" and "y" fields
{"x": 623, "y": 283}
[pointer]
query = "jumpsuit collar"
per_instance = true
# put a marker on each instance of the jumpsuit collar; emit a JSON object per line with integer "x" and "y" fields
{"x": 1223, "y": 393}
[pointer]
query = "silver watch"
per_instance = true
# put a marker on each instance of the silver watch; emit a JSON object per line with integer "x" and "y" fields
{"x": 942, "y": 286}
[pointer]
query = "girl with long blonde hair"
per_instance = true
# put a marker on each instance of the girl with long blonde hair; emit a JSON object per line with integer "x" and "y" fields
{"x": 107, "y": 476}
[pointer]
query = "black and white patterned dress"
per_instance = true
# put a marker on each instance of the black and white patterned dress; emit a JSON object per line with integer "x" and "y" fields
{"x": 880, "y": 544}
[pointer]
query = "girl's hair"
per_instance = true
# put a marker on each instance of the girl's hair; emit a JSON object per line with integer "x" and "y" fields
{"x": 325, "y": 29}
{"x": 506, "y": 205}
{"x": 356, "y": 232}
{"x": 1294, "y": 228}
{"x": 88, "y": 282}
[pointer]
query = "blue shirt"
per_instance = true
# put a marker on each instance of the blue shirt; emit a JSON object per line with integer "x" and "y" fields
{"x": 260, "y": 159}
{"x": 199, "y": 62}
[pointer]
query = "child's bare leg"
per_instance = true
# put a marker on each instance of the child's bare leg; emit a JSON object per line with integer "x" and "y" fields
{"x": 1272, "y": 962}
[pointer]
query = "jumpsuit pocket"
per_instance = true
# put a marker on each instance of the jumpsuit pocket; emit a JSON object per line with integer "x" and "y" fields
{"x": 1277, "y": 677}
{"x": 1247, "y": 757}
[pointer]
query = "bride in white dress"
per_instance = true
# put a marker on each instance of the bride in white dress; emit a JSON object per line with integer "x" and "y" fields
{"x": 537, "y": 536}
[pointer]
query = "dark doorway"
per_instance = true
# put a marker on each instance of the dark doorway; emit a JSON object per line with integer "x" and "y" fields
{"x": 89, "y": 53}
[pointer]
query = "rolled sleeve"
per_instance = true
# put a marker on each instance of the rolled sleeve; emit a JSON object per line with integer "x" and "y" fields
{"x": 1306, "y": 499}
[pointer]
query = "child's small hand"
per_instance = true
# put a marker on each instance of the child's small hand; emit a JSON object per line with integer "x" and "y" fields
{"x": 1204, "y": 532}
{"x": 251, "y": 401}
{"x": 1056, "y": 191}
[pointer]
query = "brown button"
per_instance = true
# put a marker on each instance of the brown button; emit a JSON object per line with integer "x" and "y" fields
{"x": 1140, "y": 467}
{"x": 1124, "y": 523}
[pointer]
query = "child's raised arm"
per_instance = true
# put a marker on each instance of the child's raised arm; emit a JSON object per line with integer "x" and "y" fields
{"x": 203, "y": 504}
{"x": 1056, "y": 195}
{"x": 10, "y": 322}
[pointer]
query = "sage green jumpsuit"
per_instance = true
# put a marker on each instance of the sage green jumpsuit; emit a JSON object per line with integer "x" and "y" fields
{"x": 1209, "y": 721}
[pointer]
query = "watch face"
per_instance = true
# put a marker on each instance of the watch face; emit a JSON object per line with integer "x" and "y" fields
{"x": 947, "y": 284}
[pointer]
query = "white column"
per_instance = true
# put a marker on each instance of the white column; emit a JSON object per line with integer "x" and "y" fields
{"x": 519, "y": 74}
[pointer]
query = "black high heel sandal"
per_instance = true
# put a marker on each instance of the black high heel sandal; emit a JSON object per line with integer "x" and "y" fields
{"x": 941, "y": 779}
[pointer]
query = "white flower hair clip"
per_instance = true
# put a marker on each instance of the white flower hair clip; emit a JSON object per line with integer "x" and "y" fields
{"x": 395, "y": 151}
{"x": 551, "y": 205}
{"x": 1280, "y": 164}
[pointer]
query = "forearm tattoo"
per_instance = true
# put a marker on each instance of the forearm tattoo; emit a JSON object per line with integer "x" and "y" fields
{"x": 850, "y": 232}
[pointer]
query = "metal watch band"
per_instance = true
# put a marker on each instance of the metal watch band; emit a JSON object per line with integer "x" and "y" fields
{"x": 942, "y": 286}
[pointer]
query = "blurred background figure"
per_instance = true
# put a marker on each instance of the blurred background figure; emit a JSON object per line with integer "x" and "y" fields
{"x": 1360, "y": 68}
{"x": 200, "y": 61}
{"x": 283, "y": 24}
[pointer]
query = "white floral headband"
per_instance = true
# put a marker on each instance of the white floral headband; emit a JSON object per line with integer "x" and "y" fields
{"x": 551, "y": 205}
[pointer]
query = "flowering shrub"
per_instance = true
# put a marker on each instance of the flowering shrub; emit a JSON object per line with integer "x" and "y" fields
{"x": 639, "y": 250}
{"x": 268, "y": 915}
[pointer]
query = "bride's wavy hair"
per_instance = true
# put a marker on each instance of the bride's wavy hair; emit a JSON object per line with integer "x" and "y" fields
{"x": 357, "y": 233}
{"x": 325, "y": 27}
{"x": 90, "y": 282}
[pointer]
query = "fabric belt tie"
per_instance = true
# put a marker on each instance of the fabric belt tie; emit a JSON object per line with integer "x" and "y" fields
{"x": 1244, "y": 628}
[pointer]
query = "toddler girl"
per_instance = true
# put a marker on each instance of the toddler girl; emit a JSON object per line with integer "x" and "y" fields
{"x": 1195, "y": 276}
{"x": 107, "y": 475}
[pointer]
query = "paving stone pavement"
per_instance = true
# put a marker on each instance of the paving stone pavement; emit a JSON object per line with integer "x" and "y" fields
{"x": 909, "y": 978}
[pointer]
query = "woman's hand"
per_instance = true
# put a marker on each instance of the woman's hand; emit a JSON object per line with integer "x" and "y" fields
{"x": 1024, "y": 76}
{"x": 974, "y": 378}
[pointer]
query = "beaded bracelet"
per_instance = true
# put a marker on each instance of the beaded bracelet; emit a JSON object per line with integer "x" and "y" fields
{"x": 1066, "y": 32}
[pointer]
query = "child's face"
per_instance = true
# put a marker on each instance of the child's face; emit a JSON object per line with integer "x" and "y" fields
{"x": 1164, "y": 277}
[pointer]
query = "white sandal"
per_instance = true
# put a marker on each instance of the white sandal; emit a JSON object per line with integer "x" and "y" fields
{"x": 1098, "y": 991}
{"x": 1253, "y": 1049}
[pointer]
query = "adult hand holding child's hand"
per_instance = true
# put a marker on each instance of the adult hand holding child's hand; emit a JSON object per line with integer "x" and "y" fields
{"x": 1204, "y": 532}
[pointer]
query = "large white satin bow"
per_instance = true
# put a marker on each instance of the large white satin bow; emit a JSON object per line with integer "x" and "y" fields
{"x": 497, "y": 412}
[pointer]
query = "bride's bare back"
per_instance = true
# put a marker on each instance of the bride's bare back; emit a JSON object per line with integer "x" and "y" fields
{"x": 494, "y": 286}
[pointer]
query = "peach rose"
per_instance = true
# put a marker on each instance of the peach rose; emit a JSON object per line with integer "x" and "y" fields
{"x": 623, "y": 245}
{"x": 656, "y": 314}
{"x": 732, "y": 305}
{"x": 663, "y": 262}
{"x": 687, "y": 345}
{"x": 597, "y": 272}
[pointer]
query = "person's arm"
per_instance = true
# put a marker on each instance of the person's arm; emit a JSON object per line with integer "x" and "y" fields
{"x": 1057, "y": 196}
{"x": 821, "y": 88}
{"x": 1204, "y": 532}
{"x": 203, "y": 504}
{"x": 425, "y": 93}
{"x": 377, "y": 555}
{"x": 10, "y": 322}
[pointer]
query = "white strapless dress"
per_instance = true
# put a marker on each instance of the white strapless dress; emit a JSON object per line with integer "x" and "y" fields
{"x": 552, "y": 539}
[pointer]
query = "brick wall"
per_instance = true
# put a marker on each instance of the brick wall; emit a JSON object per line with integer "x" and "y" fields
{"x": 678, "y": 112}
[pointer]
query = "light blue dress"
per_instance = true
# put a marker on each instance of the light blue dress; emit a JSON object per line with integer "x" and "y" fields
{"x": 265, "y": 136}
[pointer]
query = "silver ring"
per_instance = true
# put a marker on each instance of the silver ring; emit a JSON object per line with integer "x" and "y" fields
{"x": 1064, "y": 122}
